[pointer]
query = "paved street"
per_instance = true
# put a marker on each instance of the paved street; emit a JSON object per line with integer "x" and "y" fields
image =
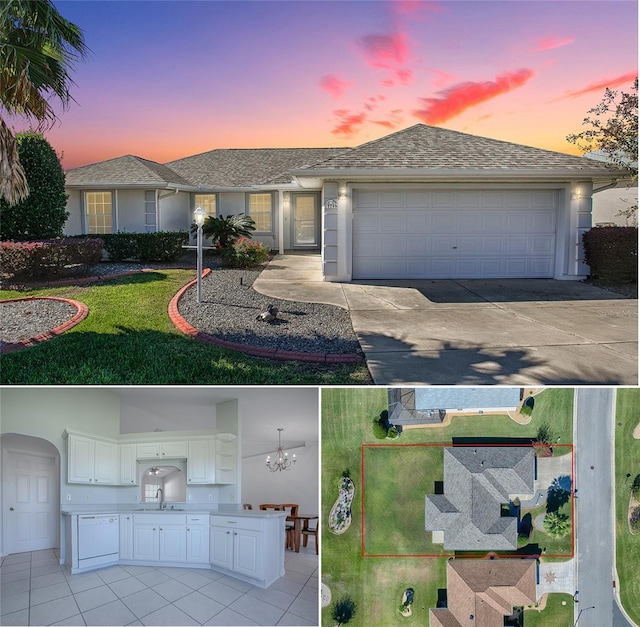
{"x": 594, "y": 509}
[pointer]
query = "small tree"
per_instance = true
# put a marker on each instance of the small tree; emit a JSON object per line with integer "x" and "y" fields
{"x": 343, "y": 611}
{"x": 635, "y": 487}
{"x": 42, "y": 214}
{"x": 380, "y": 431}
{"x": 224, "y": 231}
{"x": 544, "y": 437}
{"x": 556, "y": 524}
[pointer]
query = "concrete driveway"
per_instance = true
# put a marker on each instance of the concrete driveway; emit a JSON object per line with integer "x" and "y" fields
{"x": 475, "y": 332}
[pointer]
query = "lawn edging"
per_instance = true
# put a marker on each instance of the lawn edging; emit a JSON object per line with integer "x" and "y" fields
{"x": 254, "y": 351}
{"x": 81, "y": 313}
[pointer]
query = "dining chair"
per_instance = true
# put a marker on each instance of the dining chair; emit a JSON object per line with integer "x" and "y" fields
{"x": 290, "y": 527}
{"x": 273, "y": 506}
{"x": 247, "y": 506}
{"x": 309, "y": 531}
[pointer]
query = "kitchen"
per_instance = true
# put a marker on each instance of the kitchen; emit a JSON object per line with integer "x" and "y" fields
{"x": 185, "y": 460}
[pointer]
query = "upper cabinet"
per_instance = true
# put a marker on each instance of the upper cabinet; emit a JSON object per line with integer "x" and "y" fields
{"x": 92, "y": 460}
{"x": 155, "y": 450}
{"x": 226, "y": 456}
{"x": 212, "y": 461}
{"x": 128, "y": 467}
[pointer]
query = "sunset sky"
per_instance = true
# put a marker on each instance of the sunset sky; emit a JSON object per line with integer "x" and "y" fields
{"x": 170, "y": 79}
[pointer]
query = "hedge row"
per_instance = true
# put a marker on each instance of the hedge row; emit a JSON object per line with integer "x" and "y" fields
{"x": 159, "y": 246}
{"x": 612, "y": 253}
{"x": 47, "y": 258}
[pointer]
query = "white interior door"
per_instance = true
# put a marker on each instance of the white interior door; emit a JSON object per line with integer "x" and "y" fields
{"x": 31, "y": 501}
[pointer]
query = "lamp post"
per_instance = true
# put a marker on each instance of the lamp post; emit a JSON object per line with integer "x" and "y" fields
{"x": 199, "y": 215}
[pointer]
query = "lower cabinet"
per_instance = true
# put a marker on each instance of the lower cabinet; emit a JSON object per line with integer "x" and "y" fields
{"x": 198, "y": 539}
{"x": 126, "y": 537}
{"x": 146, "y": 543}
{"x": 249, "y": 548}
{"x": 157, "y": 538}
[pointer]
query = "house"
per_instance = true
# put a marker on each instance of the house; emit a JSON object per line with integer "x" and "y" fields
{"x": 484, "y": 592}
{"x": 423, "y": 202}
{"x": 416, "y": 406}
{"x": 478, "y": 480}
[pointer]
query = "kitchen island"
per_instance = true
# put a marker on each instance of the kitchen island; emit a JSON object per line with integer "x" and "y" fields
{"x": 248, "y": 545}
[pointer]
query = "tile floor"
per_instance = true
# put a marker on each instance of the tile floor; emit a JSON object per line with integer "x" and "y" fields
{"x": 36, "y": 590}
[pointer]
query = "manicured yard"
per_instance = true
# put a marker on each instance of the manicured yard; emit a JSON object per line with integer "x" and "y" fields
{"x": 397, "y": 478}
{"x": 376, "y": 584}
{"x": 554, "y": 614}
{"x": 547, "y": 543}
{"x": 128, "y": 339}
{"x": 627, "y": 452}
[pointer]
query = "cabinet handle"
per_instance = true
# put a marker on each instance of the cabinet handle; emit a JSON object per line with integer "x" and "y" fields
{"x": 188, "y": 529}
{"x": 160, "y": 528}
{"x": 90, "y": 479}
{"x": 131, "y": 480}
{"x": 228, "y": 532}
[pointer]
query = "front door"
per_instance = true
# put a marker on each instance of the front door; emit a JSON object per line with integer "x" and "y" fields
{"x": 31, "y": 498}
{"x": 305, "y": 222}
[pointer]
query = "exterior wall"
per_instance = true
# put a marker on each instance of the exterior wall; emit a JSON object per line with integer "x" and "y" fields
{"x": 607, "y": 203}
{"x": 330, "y": 231}
{"x": 130, "y": 211}
{"x": 175, "y": 211}
{"x": 233, "y": 203}
{"x": 74, "y": 223}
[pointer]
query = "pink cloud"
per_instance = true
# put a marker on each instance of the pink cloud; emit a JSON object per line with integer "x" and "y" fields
{"x": 384, "y": 51}
{"x": 411, "y": 7}
{"x": 334, "y": 85}
{"x": 600, "y": 86}
{"x": 348, "y": 123}
{"x": 403, "y": 76}
{"x": 463, "y": 96}
{"x": 552, "y": 42}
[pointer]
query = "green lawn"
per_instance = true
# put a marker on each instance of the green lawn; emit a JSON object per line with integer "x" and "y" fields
{"x": 397, "y": 478}
{"x": 554, "y": 614}
{"x": 547, "y": 543}
{"x": 376, "y": 584}
{"x": 128, "y": 339}
{"x": 627, "y": 453}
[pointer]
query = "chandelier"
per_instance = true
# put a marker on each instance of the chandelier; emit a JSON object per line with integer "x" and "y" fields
{"x": 281, "y": 461}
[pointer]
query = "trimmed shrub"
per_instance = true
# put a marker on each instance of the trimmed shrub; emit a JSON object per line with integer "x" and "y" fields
{"x": 634, "y": 518}
{"x": 379, "y": 429}
{"x": 635, "y": 487}
{"x": 244, "y": 253}
{"x": 159, "y": 246}
{"x": 48, "y": 258}
{"x": 392, "y": 433}
{"x": 42, "y": 214}
{"x": 527, "y": 406}
{"x": 612, "y": 253}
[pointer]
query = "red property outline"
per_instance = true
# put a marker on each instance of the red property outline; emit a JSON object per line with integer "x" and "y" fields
{"x": 493, "y": 554}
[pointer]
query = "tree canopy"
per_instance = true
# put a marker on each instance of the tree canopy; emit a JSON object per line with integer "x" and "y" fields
{"x": 38, "y": 49}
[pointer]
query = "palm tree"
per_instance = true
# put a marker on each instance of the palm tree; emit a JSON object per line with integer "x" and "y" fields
{"x": 38, "y": 48}
{"x": 557, "y": 524}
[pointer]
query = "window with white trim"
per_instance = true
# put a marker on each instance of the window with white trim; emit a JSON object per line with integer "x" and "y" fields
{"x": 151, "y": 492}
{"x": 99, "y": 212}
{"x": 207, "y": 201}
{"x": 260, "y": 208}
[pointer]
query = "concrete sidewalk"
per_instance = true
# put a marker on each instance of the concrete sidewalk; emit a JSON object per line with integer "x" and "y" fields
{"x": 475, "y": 332}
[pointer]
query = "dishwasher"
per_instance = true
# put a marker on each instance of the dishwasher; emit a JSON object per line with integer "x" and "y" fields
{"x": 98, "y": 539}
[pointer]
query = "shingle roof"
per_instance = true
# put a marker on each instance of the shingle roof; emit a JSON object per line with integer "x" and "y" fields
{"x": 477, "y": 480}
{"x": 126, "y": 170}
{"x": 466, "y": 398}
{"x": 402, "y": 409}
{"x": 486, "y": 590}
{"x": 433, "y": 148}
{"x": 243, "y": 167}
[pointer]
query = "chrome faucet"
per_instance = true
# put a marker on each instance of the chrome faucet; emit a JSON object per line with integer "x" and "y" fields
{"x": 161, "y": 493}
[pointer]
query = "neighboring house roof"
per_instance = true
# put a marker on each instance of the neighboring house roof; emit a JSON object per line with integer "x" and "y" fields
{"x": 403, "y": 411}
{"x": 477, "y": 481}
{"x": 244, "y": 167}
{"x": 439, "y": 150}
{"x": 483, "y": 592}
{"x": 123, "y": 171}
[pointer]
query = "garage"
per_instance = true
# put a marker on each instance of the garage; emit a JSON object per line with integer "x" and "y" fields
{"x": 453, "y": 234}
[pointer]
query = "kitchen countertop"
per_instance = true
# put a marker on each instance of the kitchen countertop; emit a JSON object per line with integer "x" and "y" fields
{"x": 115, "y": 510}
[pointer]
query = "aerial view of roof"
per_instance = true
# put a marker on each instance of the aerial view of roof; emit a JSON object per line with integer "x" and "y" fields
{"x": 477, "y": 481}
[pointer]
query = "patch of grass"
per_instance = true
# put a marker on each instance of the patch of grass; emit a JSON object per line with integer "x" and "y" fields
{"x": 627, "y": 462}
{"x": 397, "y": 478}
{"x": 129, "y": 339}
{"x": 554, "y": 614}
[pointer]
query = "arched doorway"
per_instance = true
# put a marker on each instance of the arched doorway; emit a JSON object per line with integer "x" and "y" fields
{"x": 30, "y": 494}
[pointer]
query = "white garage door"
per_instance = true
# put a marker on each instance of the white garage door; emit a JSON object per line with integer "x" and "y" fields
{"x": 400, "y": 234}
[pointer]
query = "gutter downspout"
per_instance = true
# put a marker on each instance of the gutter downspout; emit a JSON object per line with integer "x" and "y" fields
{"x": 610, "y": 186}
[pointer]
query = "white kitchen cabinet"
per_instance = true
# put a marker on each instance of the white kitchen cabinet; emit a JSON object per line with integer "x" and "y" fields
{"x": 126, "y": 536}
{"x": 146, "y": 543}
{"x": 173, "y": 542}
{"x": 225, "y": 470}
{"x": 248, "y": 547}
{"x": 106, "y": 463}
{"x": 91, "y": 460}
{"x": 128, "y": 466}
{"x": 200, "y": 462}
{"x": 198, "y": 539}
{"x": 155, "y": 450}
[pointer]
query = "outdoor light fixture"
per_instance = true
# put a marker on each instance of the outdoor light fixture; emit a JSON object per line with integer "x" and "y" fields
{"x": 281, "y": 461}
{"x": 199, "y": 215}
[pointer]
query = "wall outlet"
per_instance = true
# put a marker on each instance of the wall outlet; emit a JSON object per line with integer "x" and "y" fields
{"x": 189, "y": 498}
{"x": 211, "y": 497}
{"x": 87, "y": 497}
{"x": 68, "y": 497}
{"x": 232, "y": 498}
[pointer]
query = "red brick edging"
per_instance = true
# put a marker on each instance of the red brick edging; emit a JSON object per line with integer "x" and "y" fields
{"x": 81, "y": 314}
{"x": 270, "y": 353}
